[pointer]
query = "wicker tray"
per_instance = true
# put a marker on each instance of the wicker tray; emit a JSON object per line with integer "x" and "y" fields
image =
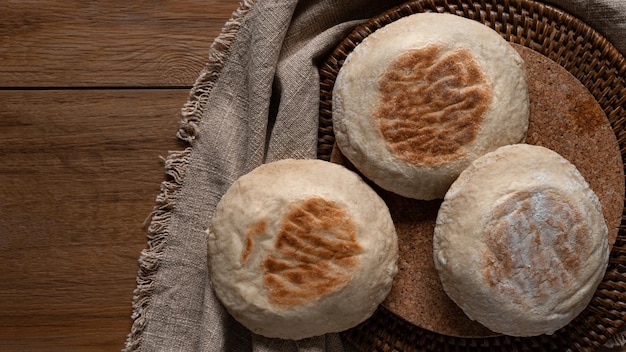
{"x": 602, "y": 70}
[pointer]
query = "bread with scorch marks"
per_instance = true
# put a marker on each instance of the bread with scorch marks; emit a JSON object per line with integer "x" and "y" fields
{"x": 419, "y": 99}
{"x": 520, "y": 241}
{"x": 300, "y": 248}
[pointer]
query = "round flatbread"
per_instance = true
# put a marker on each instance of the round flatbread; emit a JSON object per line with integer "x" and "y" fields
{"x": 299, "y": 248}
{"x": 520, "y": 241}
{"x": 419, "y": 99}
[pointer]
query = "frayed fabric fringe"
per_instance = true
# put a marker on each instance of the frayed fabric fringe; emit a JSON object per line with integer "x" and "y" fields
{"x": 175, "y": 168}
{"x": 218, "y": 52}
{"x": 158, "y": 231}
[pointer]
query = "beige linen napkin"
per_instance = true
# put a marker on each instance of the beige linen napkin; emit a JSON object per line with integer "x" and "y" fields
{"x": 255, "y": 101}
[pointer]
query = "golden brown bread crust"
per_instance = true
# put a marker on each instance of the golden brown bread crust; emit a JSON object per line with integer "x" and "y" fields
{"x": 300, "y": 248}
{"x": 432, "y": 104}
{"x": 257, "y": 229}
{"x": 314, "y": 254}
{"x": 417, "y": 100}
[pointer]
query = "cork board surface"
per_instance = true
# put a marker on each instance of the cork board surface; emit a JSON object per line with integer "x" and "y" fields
{"x": 564, "y": 117}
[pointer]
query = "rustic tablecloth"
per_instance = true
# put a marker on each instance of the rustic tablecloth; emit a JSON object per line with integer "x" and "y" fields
{"x": 255, "y": 101}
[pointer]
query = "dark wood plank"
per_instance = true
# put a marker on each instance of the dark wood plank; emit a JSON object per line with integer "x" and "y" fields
{"x": 80, "y": 171}
{"x": 107, "y": 43}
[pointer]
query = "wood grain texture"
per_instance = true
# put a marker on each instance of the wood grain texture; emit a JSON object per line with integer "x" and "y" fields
{"x": 59, "y": 43}
{"x": 80, "y": 166}
{"x": 80, "y": 172}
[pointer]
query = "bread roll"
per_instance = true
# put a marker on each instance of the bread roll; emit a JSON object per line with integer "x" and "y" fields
{"x": 299, "y": 248}
{"x": 419, "y": 99}
{"x": 520, "y": 241}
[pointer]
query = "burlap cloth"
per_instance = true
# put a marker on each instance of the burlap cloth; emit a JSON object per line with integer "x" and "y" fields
{"x": 255, "y": 101}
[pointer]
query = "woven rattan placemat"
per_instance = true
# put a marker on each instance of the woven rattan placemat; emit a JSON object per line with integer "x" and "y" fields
{"x": 602, "y": 70}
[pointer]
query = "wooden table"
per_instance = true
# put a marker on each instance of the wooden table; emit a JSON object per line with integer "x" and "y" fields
{"x": 90, "y": 94}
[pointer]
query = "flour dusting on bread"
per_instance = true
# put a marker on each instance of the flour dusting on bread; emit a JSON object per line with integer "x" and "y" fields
{"x": 520, "y": 241}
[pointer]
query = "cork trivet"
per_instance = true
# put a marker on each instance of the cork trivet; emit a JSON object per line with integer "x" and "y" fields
{"x": 564, "y": 117}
